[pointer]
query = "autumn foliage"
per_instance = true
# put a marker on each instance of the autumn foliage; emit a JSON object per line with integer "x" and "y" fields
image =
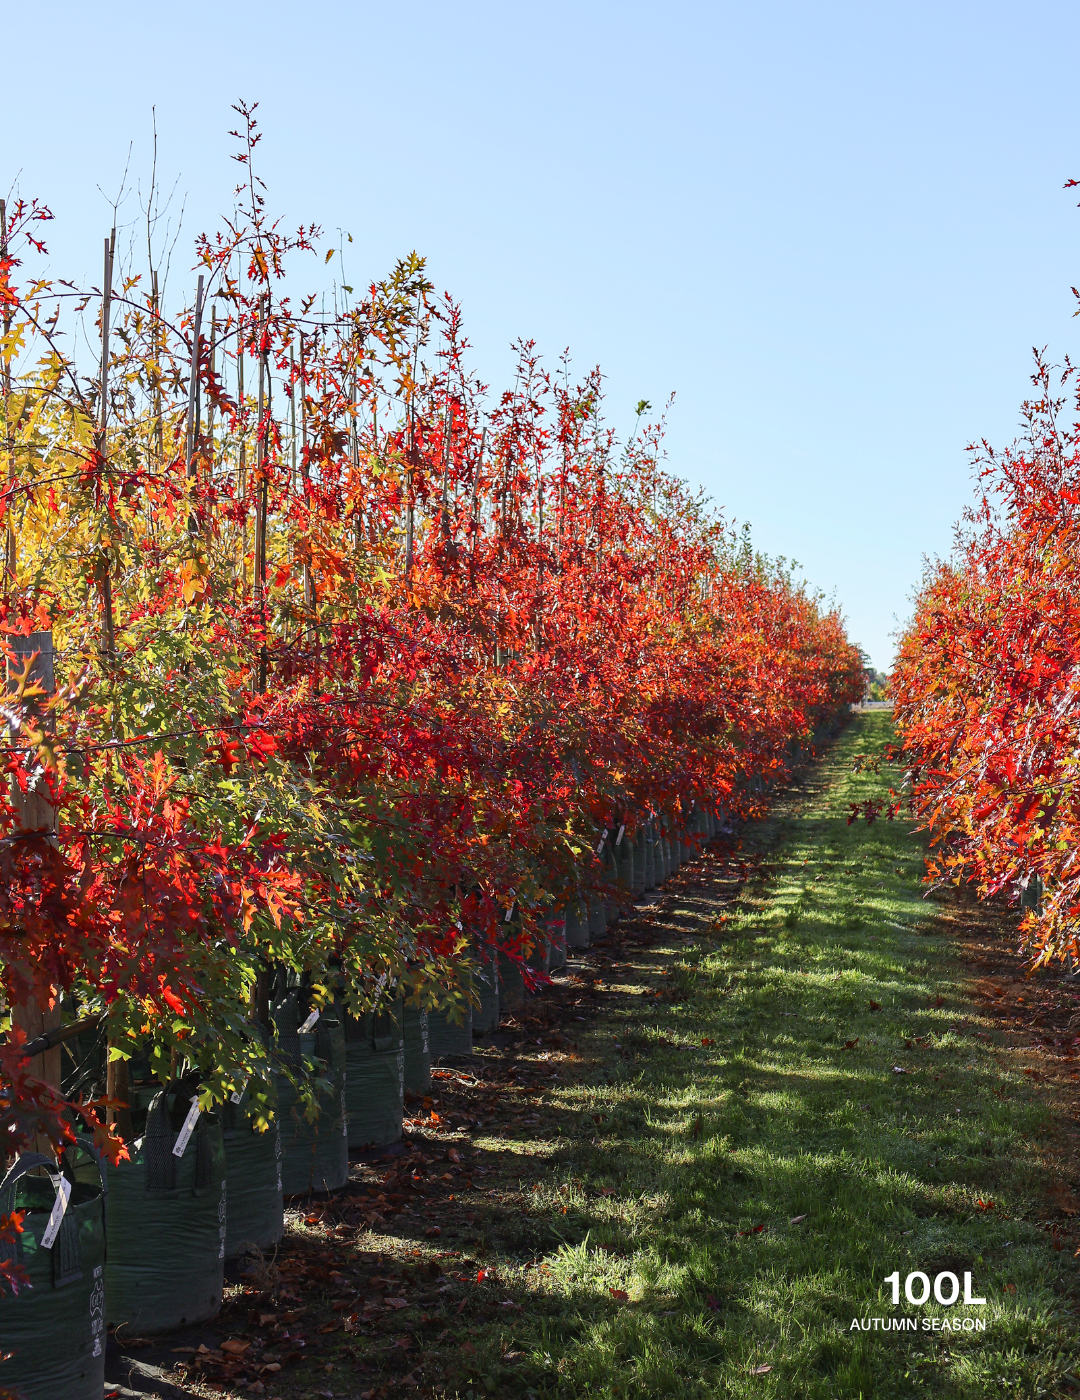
{"x": 988, "y": 679}
{"x": 351, "y": 657}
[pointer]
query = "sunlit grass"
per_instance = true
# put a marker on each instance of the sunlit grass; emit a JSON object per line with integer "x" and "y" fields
{"x": 810, "y": 1103}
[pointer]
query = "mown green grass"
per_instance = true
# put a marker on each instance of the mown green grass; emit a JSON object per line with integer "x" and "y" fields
{"x": 699, "y": 1145}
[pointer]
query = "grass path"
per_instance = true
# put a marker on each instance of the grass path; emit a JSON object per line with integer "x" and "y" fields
{"x": 694, "y": 1162}
{"x": 804, "y": 1111}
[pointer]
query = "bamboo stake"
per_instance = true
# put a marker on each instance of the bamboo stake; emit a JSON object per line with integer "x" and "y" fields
{"x": 309, "y": 582}
{"x": 241, "y": 472}
{"x": 473, "y": 517}
{"x": 104, "y": 577}
{"x": 259, "y": 582}
{"x": 292, "y": 421}
{"x": 213, "y": 378}
{"x": 354, "y": 456}
{"x": 157, "y": 346}
{"x": 35, "y": 813}
{"x": 192, "y": 441}
{"x": 10, "y": 560}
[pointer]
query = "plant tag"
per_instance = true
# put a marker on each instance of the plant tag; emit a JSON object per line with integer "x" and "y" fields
{"x": 509, "y": 915}
{"x": 238, "y": 1093}
{"x": 184, "y": 1135}
{"x": 603, "y": 838}
{"x": 620, "y": 835}
{"x": 309, "y": 1024}
{"x": 60, "y": 1205}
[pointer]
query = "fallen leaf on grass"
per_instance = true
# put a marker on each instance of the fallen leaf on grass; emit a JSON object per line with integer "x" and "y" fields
{"x": 619, "y": 1294}
{"x": 711, "y": 1302}
{"x": 796, "y": 1219}
{"x": 761, "y": 1370}
{"x": 874, "y": 1005}
{"x": 985, "y": 1205}
{"x": 899, "y": 1069}
{"x": 234, "y": 1347}
{"x": 851, "y": 1044}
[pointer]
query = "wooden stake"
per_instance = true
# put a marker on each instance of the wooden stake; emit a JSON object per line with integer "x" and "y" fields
{"x": 117, "y": 1087}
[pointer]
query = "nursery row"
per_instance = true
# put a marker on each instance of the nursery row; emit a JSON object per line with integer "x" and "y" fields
{"x": 986, "y": 681}
{"x": 332, "y": 676}
{"x": 142, "y": 1244}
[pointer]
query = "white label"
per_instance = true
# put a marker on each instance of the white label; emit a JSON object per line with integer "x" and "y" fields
{"x": 509, "y": 915}
{"x": 309, "y": 1024}
{"x": 184, "y": 1136}
{"x": 238, "y": 1094}
{"x": 620, "y": 835}
{"x": 60, "y": 1205}
{"x": 97, "y": 1310}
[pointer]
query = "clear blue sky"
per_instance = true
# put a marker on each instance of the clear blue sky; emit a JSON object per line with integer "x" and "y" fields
{"x": 836, "y": 230}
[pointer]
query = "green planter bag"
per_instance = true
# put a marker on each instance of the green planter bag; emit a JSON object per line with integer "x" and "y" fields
{"x": 489, "y": 985}
{"x": 624, "y": 864}
{"x": 417, "y": 1051}
{"x": 649, "y": 855}
{"x": 511, "y": 984}
{"x": 166, "y": 1220}
{"x": 577, "y": 924}
{"x": 447, "y": 1037}
{"x": 54, "y": 1329}
{"x": 639, "y": 862}
{"x": 256, "y": 1213}
{"x": 375, "y": 1076}
{"x": 315, "y": 1156}
{"x": 556, "y": 931}
{"x": 539, "y": 957}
